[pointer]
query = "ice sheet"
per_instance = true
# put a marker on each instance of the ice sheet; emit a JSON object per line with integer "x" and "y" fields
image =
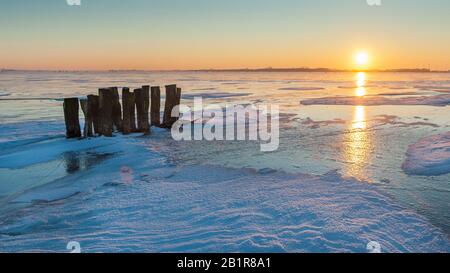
{"x": 429, "y": 156}
{"x": 139, "y": 201}
{"x": 140, "y": 194}
{"x": 438, "y": 100}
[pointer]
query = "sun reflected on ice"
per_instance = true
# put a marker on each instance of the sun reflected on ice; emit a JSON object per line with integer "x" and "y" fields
{"x": 360, "y": 84}
{"x": 359, "y": 118}
{"x": 357, "y": 142}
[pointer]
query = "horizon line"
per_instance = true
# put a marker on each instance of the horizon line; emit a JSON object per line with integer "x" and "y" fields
{"x": 263, "y": 69}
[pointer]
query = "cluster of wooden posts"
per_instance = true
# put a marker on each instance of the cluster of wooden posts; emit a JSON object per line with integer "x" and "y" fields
{"x": 104, "y": 114}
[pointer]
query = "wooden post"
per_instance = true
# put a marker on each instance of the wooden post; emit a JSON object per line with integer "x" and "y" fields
{"x": 105, "y": 110}
{"x": 155, "y": 107}
{"x": 116, "y": 109}
{"x": 93, "y": 111}
{"x": 71, "y": 109}
{"x": 132, "y": 99}
{"x": 128, "y": 109}
{"x": 87, "y": 131}
{"x": 142, "y": 105}
{"x": 178, "y": 101}
{"x": 173, "y": 97}
{"x": 145, "y": 112}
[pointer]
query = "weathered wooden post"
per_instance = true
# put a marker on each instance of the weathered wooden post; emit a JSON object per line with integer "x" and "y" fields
{"x": 133, "y": 112}
{"x": 87, "y": 131}
{"x": 142, "y": 97}
{"x": 177, "y": 103}
{"x": 173, "y": 98}
{"x": 178, "y": 96}
{"x": 105, "y": 110}
{"x": 128, "y": 111}
{"x": 92, "y": 101}
{"x": 71, "y": 109}
{"x": 116, "y": 109}
{"x": 155, "y": 107}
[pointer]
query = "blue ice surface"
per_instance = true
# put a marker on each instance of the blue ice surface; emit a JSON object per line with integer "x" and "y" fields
{"x": 136, "y": 199}
{"x": 429, "y": 156}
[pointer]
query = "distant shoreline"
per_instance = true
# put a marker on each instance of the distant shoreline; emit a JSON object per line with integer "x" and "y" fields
{"x": 278, "y": 70}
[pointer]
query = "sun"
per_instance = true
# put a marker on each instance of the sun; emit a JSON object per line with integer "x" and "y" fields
{"x": 362, "y": 58}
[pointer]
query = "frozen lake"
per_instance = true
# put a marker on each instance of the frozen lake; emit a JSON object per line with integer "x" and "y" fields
{"x": 352, "y": 167}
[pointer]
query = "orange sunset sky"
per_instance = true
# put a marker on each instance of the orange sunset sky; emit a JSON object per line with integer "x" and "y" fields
{"x": 202, "y": 34}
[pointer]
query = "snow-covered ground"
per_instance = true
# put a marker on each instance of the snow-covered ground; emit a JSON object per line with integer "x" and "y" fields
{"x": 137, "y": 200}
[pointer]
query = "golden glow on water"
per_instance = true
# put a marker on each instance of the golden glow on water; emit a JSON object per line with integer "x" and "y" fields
{"x": 361, "y": 79}
{"x": 359, "y": 118}
{"x": 357, "y": 146}
{"x": 360, "y": 91}
{"x": 360, "y": 84}
{"x": 357, "y": 143}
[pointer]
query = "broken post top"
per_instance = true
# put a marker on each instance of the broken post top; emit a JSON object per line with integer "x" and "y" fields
{"x": 71, "y": 99}
{"x": 102, "y": 91}
{"x": 115, "y": 92}
{"x": 92, "y": 96}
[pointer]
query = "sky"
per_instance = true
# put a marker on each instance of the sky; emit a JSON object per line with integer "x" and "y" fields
{"x": 204, "y": 34}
